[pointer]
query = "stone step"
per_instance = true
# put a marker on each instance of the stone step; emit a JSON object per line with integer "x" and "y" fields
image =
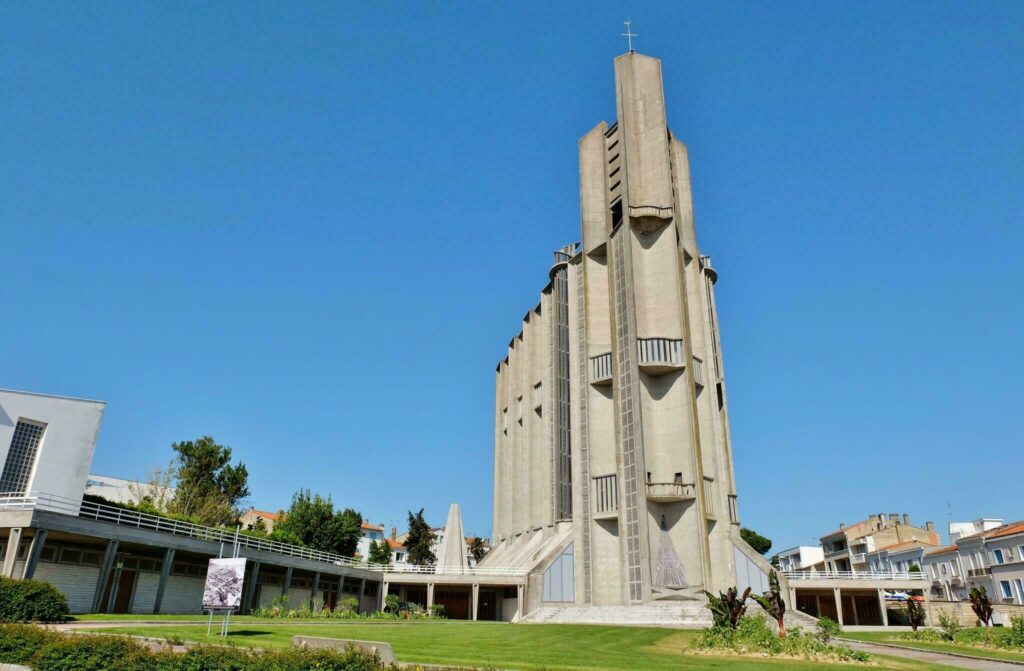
{"x": 674, "y": 613}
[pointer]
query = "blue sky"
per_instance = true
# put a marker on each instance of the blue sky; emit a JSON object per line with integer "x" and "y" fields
{"x": 310, "y": 231}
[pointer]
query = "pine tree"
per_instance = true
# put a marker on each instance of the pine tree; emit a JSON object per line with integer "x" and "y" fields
{"x": 420, "y": 541}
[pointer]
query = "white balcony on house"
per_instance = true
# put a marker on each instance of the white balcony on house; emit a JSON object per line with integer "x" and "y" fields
{"x": 601, "y": 368}
{"x": 659, "y": 355}
{"x": 670, "y": 492}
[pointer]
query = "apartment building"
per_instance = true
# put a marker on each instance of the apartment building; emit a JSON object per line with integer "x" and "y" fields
{"x": 800, "y": 557}
{"x": 850, "y": 547}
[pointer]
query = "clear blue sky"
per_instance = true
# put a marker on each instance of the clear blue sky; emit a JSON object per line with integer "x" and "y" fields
{"x": 310, "y": 231}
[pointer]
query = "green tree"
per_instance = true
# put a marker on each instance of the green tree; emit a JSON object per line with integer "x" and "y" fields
{"x": 477, "y": 548}
{"x": 208, "y": 487}
{"x": 420, "y": 541}
{"x": 311, "y": 520}
{"x": 755, "y": 540}
{"x": 380, "y": 553}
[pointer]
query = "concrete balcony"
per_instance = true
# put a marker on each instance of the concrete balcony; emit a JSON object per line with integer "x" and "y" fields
{"x": 670, "y": 492}
{"x": 659, "y": 355}
{"x": 979, "y": 572}
{"x": 705, "y": 265}
{"x": 606, "y": 497}
{"x": 601, "y": 369}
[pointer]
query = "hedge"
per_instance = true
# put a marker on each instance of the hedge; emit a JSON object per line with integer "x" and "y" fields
{"x": 44, "y": 650}
{"x": 31, "y": 601}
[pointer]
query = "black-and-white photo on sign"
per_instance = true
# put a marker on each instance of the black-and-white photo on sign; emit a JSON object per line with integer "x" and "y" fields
{"x": 223, "y": 588}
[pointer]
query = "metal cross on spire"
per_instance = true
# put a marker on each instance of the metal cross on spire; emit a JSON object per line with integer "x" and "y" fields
{"x": 629, "y": 35}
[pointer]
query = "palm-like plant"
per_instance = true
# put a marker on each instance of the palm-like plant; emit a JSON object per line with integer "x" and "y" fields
{"x": 772, "y": 602}
{"x": 981, "y": 605}
{"x": 728, "y": 609}
{"x": 915, "y": 613}
{"x": 477, "y": 548}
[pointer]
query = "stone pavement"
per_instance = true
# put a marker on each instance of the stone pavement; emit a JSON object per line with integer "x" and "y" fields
{"x": 955, "y": 661}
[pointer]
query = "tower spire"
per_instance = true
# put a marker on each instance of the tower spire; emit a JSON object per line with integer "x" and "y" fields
{"x": 629, "y": 35}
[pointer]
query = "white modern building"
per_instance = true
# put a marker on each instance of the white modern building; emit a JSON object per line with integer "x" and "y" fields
{"x": 800, "y": 557}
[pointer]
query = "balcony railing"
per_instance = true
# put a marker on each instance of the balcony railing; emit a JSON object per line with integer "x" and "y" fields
{"x": 705, "y": 265}
{"x": 601, "y": 369}
{"x": 667, "y": 492}
{"x": 131, "y": 518}
{"x": 856, "y": 575}
{"x": 660, "y": 354}
{"x": 978, "y": 572}
{"x": 709, "y": 497}
{"x": 606, "y": 496}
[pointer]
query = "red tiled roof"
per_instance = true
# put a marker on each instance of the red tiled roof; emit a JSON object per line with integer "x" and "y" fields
{"x": 371, "y": 527}
{"x": 1005, "y": 530}
{"x": 943, "y": 550}
{"x": 264, "y": 513}
{"x": 395, "y": 545}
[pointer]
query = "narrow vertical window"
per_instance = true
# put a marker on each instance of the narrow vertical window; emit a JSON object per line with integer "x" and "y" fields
{"x": 21, "y": 458}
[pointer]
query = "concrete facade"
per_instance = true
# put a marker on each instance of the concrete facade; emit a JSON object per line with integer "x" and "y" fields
{"x": 611, "y": 443}
{"x": 66, "y": 427}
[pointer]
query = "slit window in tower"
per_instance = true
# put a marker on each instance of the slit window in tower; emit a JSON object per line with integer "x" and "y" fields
{"x": 616, "y": 213}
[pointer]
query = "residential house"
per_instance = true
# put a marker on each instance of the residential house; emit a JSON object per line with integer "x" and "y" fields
{"x": 252, "y": 519}
{"x": 849, "y": 547}
{"x": 800, "y": 557}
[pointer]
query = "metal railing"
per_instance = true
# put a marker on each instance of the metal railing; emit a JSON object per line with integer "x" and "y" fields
{"x": 132, "y": 518}
{"x": 855, "y": 575}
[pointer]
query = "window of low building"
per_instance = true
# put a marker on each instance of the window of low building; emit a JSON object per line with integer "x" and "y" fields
{"x": 1006, "y": 589}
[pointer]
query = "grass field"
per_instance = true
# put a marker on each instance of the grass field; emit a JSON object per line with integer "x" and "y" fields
{"x": 528, "y": 647}
{"x": 959, "y": 648}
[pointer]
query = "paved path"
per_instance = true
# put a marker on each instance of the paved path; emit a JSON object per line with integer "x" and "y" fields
{"x": 955, "y": 661}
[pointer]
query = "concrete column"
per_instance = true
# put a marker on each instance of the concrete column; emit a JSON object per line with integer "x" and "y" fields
{"x": 101, "y": 581}
{"x": 316, "y": 588}
{"x": 115, "y": 583}
{"x": 362, "y": 593}
{"x": 839, "y": 604}
{"x": 165, "y": 573}
{"x": 341, "y": 588}
{"x": 34, "y": 551}
{"x": 430, "y": 596}
{"x": 287, "y": 582}
{"x": 13, "y": 541}
{"x": 383, "y": 594}
{"x": 250, "y": 589}
{"x": 521, "y": 601}
{"x": 476, "y": 600}
{"x": 881, "y": 604}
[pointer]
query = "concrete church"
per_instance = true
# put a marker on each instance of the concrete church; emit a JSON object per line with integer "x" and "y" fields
{"x": 613, "y": 472}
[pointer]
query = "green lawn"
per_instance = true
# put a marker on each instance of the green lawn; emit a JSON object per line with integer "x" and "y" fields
{"x": 959, "y": 648}
{"x": 481, "y": 644}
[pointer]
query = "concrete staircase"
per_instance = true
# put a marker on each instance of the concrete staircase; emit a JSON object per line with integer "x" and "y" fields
{"x": 688, "y": 614}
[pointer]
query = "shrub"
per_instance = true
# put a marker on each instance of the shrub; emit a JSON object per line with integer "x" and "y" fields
{"x": 350, "y": 605}
{"x": 437, "y": 610}
{"x": 19, "y": 643}
{"x": 826, "y": 630}
{"x": 1015, "y": 634}
{"x": 753, "y": 636}
{"x": 391, "y": 602}
{"x": 728, "y": 608}
{"x": 949, "y": 623}
{"x": 50, "y": 651}
{"x": 31, "y": 601}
